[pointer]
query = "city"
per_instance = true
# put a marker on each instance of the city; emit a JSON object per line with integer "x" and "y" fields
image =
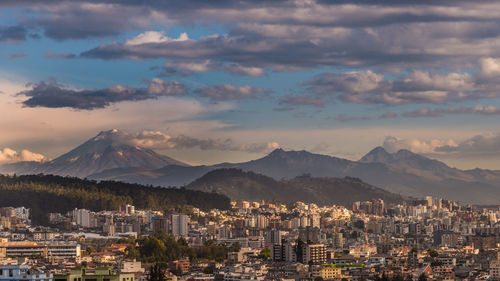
{"x": 430, "y": 238}
{"x": 249, "y": 140}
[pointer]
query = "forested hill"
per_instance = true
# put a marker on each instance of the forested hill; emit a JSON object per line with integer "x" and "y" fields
{"x": 45, "y": 194}
{"x": 238, "y": 184}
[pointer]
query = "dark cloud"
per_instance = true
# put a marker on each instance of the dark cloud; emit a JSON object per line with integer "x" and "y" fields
{"x": 303, "y": 100}
{"x": 13, "y": 34}
{"x": 53, "y": 95}
{"x": 53, "y": 55}
{"x": 225, "y": 92}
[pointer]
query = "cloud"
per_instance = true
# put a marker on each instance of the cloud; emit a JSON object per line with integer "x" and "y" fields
{"x": 343, "y": 118}
{"x": 8, "y": 155}
{"x": 53, "y": 95}
{"x": 350, "y": 82}
{"x": 483, "y": 146}
{"x": 284, "y": 35}
{"x": 167, "y": 88}
{"x": 388, "y": 115}
{"x": 487, "y": 145}
{"x": 149, "y": 37}
{"x": 393, "y": 144}
{"x": 187, "y": 67}
{"x": 162, "y": 141}
{"x": 440, "y": 112}
{"x": 303, "y": 100}
{"x": 91, "y": 19}
{"x": 13, "y": 34}
{"x": 53, "y": 55}
{"x": 224, "y": 92}
{"x": 415, "y": 87}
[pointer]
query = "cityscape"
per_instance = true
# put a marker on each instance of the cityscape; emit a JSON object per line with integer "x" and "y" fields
{"x": 249, "y": 140}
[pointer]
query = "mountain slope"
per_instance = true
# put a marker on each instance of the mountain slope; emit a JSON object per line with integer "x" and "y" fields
{"x": 45, "y": 194}
{"x": 403, "y": 172}
{"x": 238, "y": 184}
{"x": 107, "y": 150}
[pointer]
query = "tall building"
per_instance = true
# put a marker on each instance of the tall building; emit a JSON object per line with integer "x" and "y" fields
{"x": 338, "y": 240}
{"x": 179, "y": 224}
{"x": 287, "y": 251}
{"x": 160, "y": 223}
{"x": 314, "y": 253}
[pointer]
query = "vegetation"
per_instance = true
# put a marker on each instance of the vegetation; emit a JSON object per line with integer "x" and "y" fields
{"x": 156, "y": 273}
{"x": 238, "y": 184}
{"x": 48, "y": 194}
{"x": 162, "y": 248}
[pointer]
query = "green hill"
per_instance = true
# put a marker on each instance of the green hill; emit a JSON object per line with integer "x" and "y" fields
{"x": 45, "y": 194}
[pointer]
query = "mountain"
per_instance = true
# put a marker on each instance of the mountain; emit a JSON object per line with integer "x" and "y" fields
{"x": 108, "y": 150}
{"x": 111, "y": 155}
{"x": 402, "y": 172}
{"x": 287, "y": 164}
{"x": 238, "y": 184}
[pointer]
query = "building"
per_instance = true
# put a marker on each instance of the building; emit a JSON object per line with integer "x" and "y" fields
{"x": 338, "y": 240}
{"x": 285, "y": 252}
{"x": 179, "y": 224}
{"x": 53, "y": 250}
{"x": 314, "y": 253}
{"x": 99, "y": 274}
{"x": 15, "y": 272}
{"x": 131, "y": 267}
{"x": 327, "y": 272}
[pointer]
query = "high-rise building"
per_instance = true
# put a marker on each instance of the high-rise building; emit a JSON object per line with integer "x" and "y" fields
{"x": 338, "y": 240}
{"x": 314, "y": 253}
{"x": 179, "y": 224}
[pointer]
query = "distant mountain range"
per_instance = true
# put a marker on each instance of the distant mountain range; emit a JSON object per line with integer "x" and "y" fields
{"x": 107, "y": 157}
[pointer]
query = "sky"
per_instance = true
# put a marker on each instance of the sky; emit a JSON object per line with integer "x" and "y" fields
{"x": 216, "y": 81}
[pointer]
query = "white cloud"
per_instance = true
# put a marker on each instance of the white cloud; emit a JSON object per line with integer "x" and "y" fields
{"x": 393, "y": 144}
{"x": 154, "y": 37}
{"x": 8, "y": 155}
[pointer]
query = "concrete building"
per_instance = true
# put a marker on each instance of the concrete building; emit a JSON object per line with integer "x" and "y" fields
{"x": 15, "y": 272}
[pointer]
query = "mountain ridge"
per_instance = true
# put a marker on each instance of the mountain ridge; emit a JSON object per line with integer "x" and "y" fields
{"x": 402, "y": 172}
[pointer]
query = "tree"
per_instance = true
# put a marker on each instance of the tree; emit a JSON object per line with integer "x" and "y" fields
{"x": 433, "y": 253}
{"x": 265, "y": 254}
{"x": 156, "y": 273}
{"x": 422, "y": 277}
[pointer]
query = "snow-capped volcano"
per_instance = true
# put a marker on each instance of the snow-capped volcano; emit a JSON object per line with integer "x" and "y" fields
{"x": 108, "y": 150}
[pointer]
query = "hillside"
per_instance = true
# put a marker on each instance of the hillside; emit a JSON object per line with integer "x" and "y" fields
{"x": 46, "y": 194}
{"x": 238, "y": 184}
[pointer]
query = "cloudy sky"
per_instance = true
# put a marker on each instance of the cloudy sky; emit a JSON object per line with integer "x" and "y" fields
{"x": 211, "y": 81}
